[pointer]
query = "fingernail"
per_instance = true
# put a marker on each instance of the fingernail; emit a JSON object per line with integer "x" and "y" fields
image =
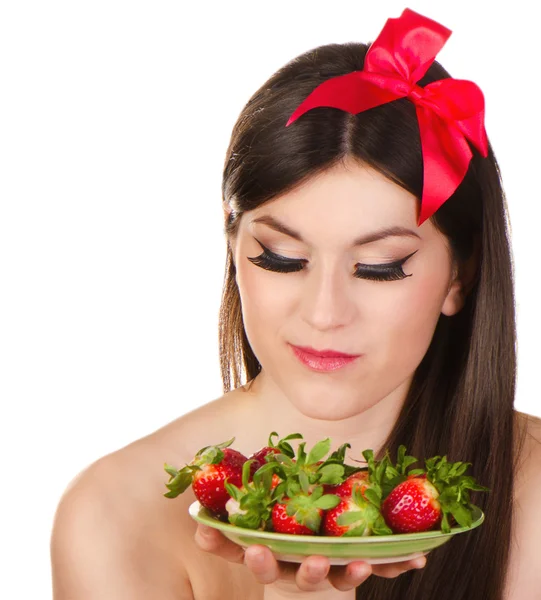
{"x": 205, "y": 531}
{"x": 361, "y": 572}
{"x": 420, "y": 563}
{"x": 257, "y": 556}
{"x": 316, "y": 570}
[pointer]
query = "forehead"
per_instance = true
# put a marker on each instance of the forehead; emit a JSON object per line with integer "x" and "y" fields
{"x": 347, "y": 203}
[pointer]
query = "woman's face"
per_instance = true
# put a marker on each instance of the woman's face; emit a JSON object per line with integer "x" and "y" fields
{"x": 343, "y": 295}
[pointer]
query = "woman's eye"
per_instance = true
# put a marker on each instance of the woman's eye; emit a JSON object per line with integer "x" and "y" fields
{"x": 388, "y": 272}
{"x": 274, "y": 262}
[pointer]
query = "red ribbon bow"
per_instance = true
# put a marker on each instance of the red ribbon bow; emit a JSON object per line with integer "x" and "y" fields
{"x": 450, "y": 111}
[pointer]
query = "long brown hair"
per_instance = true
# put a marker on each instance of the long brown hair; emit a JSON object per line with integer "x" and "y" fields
{"x": 460, "y": 403}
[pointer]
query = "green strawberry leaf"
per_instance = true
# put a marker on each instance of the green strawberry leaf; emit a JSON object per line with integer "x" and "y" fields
{"x": 312, "y": 521}
{"x": 359, "y": 531}
{"x": 233, "y": 491}
{"x": 170, "y": 470}
{"x": 340, "y": 454}
{"x": 471, "y": 484}
{"x": 292, "y": 436}
{"x": 350, "y": 517}
{"x": 409, "y": 460}
{"x": 391, "y": 472}
{"x": 251, "y": 520}
{"x": 293, "y": 488}
{"x": 267, "y": 467}
{"x": 301, "y": 454}
{"x": 212, "y": 456}
{"x": 283, "y": 445}
{"x": 319, "y": 451}
{"x": 380, "y": 527}
{"x": 304, "y": 482}
{"x": 246, "y": 471}
{"x": 462, "y": 514}
{"x": 368, "y": 455}
{"x": 445, "y": 523}
{"x": 350, "y": 470}
{"x": 180, "y": 483}
{"x": 327, "y": 501}
{"x": 331, "y": 474}
{"x": 316, "y": 493}
{"x": 372, "y": 496}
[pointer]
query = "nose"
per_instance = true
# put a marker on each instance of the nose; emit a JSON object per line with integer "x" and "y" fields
{"x": 327, "y": 301}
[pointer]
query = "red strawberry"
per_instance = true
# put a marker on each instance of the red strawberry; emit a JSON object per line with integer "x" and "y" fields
{"x": 421, "y": 502}
{"x": 301, "y": 514}
{"x": 290, "y": 471}
{"x": 412, "y": 506}
{"x": 349, "y": 518}
{"x": 250, "y": 506}
{"x": 207, "y": 473}
{"x": 345, "y": 489}
{"x": 281, "y": 447}
{"x": 307, "y": 471}
{"x": 358, "y": 513}
{"x": 283, "y": 523}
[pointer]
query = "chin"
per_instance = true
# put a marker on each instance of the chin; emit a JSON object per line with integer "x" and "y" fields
{"x": 324, "y": 410}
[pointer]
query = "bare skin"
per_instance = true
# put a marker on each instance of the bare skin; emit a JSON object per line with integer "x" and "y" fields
{"x": 156, "y": 550}
{"x": 115, "y": 535}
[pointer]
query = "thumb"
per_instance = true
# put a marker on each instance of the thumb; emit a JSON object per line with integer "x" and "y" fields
{"x": 213, "y": 541}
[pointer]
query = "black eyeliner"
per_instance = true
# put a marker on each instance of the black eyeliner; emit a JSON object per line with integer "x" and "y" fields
{"x": 274, "y": 262}
{"x": 387, "y": 272}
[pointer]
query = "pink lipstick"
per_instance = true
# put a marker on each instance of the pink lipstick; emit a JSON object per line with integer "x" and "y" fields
{"x": 323, "y": 360}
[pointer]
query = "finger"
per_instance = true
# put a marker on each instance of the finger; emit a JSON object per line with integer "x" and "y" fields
{"x": 393, "y": 570}
{"x": 350, "y": 576}
{"x": 261, "y": 562}
{"x": 312, "y": 574}
{"x": 211, "y": 540}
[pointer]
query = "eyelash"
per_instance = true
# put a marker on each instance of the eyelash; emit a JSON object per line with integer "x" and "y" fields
{"x": 274, "y": 262}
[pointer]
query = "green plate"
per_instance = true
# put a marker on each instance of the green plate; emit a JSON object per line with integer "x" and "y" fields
{"x": 377, "y": 549}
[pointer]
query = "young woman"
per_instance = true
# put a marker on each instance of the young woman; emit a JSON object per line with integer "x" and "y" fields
{"x": 378, "y": 232}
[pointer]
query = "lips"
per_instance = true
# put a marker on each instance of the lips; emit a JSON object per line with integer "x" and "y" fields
{"x": 325, "y": 353}
{"x": 323, "y": 363}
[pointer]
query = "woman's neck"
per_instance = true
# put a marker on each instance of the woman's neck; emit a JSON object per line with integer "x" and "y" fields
{"x": 368, "y": 429}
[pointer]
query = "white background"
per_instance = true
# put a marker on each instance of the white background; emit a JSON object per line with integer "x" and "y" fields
{"x": 114, "y": 122}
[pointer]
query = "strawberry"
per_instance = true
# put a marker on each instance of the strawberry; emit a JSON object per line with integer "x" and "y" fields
{"x": 358, "y": 513}
{"x": 307, "y": 471}
{"x": 423, "y": 501}
{"x": 207, "y": 473}
{"x": 281, "y": 447}
{"x": 301, "y": 514}
{"x": 395, "y": 474}
{"x": 250, "y": 506}
{"x": 412, "y": 506}
{"x": 345, "y": 489}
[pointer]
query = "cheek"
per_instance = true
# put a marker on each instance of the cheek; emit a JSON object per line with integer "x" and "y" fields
{"x": 264, "y": 303}
{"x": 406, "y": 320}
{"x": 258, "y": 289}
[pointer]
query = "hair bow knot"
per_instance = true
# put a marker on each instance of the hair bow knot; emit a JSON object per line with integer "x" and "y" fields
{"x": 450, "y": 111}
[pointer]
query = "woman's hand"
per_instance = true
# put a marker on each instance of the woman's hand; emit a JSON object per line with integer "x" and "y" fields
{"x": 314, "y": 574}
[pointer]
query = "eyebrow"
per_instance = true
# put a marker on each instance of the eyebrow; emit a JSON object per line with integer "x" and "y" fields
{"x": 381, "y": 234}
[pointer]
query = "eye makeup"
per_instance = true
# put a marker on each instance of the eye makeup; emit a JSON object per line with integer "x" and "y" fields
{"x": 270, "y": 261}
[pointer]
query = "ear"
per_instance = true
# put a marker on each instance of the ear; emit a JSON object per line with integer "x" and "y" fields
{"x": 227, "y": 209}
{"x": 462, "y": 281}
{"x": 230, "y": 240}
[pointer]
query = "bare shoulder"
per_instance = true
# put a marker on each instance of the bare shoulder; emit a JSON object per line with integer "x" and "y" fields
{"x": 116, "y": 536}
{"x": 529, "y": 431}
{"x": 524, "y": 577}
{"x": 108, "y": 538}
